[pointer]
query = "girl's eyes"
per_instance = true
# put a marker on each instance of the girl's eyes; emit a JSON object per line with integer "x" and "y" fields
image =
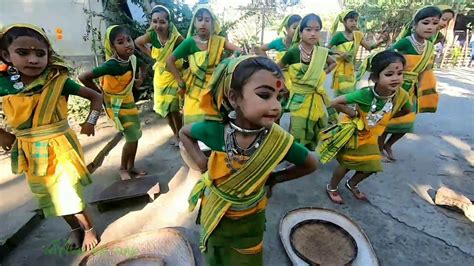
{"x": 264, "y": 95}
{"x": 40, "y": 54}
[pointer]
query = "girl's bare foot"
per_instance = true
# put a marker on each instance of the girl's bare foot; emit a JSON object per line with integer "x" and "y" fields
{"x": 137, "y": 172}
{"x": 74, "y": 240}
{"x": 385, "y": 158}
{"x": 389, "y": 152}
{"x": 355, "y": 191}
{"x": 90, "y": 240}
{"x": 334, "y": 195}
{"x": 125, "y": 175}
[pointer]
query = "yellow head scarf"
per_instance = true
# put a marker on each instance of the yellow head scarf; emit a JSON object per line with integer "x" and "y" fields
{"x": 284, "y": 24}
{"x": 339, "y": 19}
{"x": 215, "y": 22}
{"x": 54, "y": 59}
{"x": 221, "y": 80}
{"x": 108, "y": 46}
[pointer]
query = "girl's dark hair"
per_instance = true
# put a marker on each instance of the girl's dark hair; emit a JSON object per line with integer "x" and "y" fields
{"x": 17, "y": 32}
{"x": 202, "y": 11}
{"x": 292, "y": 20}
{"x": 427, "y": 12}
{"x": 382, "y": 60}
{"x": 351, "y": 15}
{"x": 114, "y": 33}
{"x": 158, "y": 9}
{"x": 449, "y": 10}
{"x": 248, "y": 67}
{"x": 310, "y": 17}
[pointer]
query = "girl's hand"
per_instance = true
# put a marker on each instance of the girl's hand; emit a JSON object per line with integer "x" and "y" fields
{"x": 181, "y": 87}
{"x": 346, "y": 56}
{"x": 6, "y": 140}
{"x": 87, "y": 129}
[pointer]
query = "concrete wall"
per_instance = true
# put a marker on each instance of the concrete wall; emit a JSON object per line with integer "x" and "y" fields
{"x": 67, "y": 15}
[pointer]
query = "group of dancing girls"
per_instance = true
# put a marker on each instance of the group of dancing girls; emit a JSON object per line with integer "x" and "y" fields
{"x": 230, "y": 105}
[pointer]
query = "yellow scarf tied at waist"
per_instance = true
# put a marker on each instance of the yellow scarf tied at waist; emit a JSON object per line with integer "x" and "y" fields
{"x": 39, "y": 138}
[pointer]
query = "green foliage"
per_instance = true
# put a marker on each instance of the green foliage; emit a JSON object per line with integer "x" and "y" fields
{"x": 391, "y": 15}
{"x": 78, "y": 108}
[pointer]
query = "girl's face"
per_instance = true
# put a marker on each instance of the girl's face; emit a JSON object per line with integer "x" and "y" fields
{"x": 427, "y": 27}
{"x": 203, "y": 23}
{"x": 159, "y": 22}
{"x": 445, "y": 19}
{"x": 29, "y": 55}
{"x": 123, "y": 45}
{"x": 390, "y": 79}
{"x": 290, "y": 31}
{"x": 259, "y": 105}
{"x": 311, "y": 33}
{"x": 350, "y": 24}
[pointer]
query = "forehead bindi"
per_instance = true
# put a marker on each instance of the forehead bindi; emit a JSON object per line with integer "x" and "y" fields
{"x": 28, "y": 43}
{"x": 397, "y": 66}
{"x": 264, "y": 79}
{"x": 160, "y": 16}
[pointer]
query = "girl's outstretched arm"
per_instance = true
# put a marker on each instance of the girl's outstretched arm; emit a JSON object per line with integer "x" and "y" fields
{"x": 96, "y": 100}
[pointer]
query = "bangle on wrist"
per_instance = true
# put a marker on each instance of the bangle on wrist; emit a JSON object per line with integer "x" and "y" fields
{"x": 93, "y": 117}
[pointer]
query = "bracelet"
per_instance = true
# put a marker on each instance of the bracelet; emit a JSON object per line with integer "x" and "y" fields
{"x": 93, "y": 117}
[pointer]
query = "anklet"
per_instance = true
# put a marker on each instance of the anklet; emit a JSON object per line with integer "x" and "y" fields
{"x": 75, "y": 229}
{"x": 88, "y": 230}
{"x": 332, "y": 189}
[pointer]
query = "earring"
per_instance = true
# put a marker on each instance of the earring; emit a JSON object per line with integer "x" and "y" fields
{"x": 15, "y": 78}
{"x": 232, "y": 115}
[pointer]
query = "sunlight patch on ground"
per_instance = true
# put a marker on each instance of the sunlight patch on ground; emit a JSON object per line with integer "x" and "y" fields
{"x": 464, "y": 148}
{"x": 412, "y": 137}
{"x": 454, "y": 91}
{"x": 422, "y": 191}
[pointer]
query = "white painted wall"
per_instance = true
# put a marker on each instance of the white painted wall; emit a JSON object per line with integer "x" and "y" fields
{"x": 51, "y": 14}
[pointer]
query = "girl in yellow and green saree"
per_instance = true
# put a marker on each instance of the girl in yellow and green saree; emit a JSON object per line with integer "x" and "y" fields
{"x": 247, "y": 145}
{"x": 375, "y": 105}
{"x": 345, "y": 44}
{"x": 203, "y": 47}
{"x": 282, "y": 44}
{"x": 446, "y": 17}
{"x": 117, "y": 82}
{"x": 164, "y": 38}
{"x": 419, "y": 79}
{"x": 308, "y": 65}
{"x": 34, "y": 89}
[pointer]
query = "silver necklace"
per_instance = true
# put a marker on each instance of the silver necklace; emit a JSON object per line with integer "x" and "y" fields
{"x": 120, "y": 60}
{"x": 244, "y": 130}
{"x": 305, "y": 55}
{"x": 349, "y": 38}
{"x": 419, "y": 47}
{"x": 202, "y": 41}
{"x": 159, "y": 40}
{"x": 373, "y": 116}
{"x": 237, "y": 154}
